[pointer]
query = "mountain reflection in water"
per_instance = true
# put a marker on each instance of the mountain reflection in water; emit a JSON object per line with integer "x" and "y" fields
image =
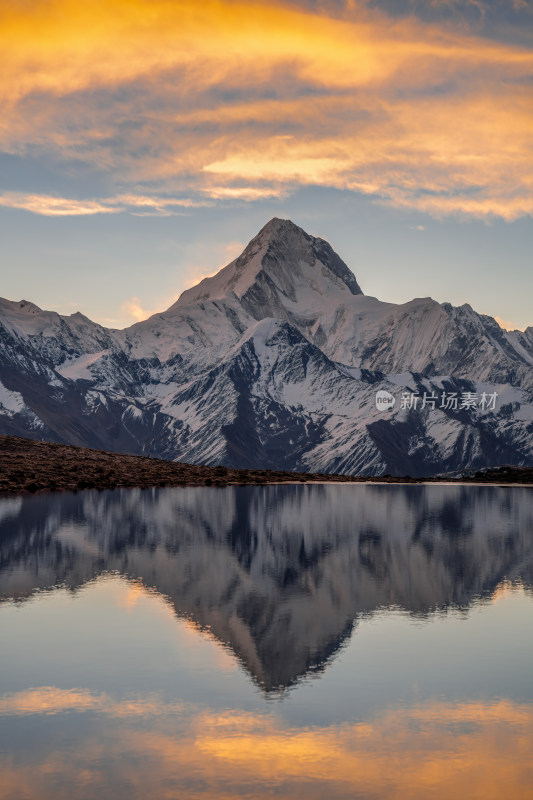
{"x": 280, "y": 574}
{"x": 258, "y": 642}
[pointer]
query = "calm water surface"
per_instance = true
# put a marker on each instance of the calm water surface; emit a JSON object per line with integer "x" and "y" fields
{"x": 306, "y": 642}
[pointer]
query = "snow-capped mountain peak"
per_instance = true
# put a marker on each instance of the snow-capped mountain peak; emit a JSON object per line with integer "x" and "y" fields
{"x": 283, "y": 266}
{"x": 275, "y": 362}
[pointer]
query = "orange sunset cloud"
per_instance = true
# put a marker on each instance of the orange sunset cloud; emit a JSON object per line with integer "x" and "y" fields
{"x": 239, "y": 101}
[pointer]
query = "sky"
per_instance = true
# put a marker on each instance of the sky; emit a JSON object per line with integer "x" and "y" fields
{"x": 143, "y": 143}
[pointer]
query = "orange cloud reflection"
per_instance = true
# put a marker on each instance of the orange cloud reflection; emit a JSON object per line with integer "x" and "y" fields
{"x": 442, "y": 750}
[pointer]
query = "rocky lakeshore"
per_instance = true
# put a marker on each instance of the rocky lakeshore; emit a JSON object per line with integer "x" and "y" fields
{"x": 29, "y": 466}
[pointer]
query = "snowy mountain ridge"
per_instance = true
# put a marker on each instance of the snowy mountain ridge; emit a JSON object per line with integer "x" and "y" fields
{"x": 275, "y": 362}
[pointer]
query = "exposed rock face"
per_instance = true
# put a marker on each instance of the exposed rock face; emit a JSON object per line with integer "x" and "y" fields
{"x": 275, "y": 363}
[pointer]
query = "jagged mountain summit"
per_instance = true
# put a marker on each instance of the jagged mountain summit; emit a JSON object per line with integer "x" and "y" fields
{"x": 281, "y": 266}
{"x": 275, "y": 362}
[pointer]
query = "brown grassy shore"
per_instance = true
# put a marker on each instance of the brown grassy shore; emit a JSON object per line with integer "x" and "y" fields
{"x": 28, "y": 466}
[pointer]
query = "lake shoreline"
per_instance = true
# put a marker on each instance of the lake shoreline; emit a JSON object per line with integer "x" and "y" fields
{"x": 28, "y": 466}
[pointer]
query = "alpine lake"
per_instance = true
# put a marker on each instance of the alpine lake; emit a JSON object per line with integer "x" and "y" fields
{"x": 287, "y": 641}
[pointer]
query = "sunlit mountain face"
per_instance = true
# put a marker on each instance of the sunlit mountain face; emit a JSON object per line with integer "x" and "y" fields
{"x": 279, "y": 641}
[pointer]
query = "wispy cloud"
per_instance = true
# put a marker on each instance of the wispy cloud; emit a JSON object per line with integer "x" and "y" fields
{"x": 54, "y": 206}
{"x": 241, "y": 101}
{"x": 134, "y": 309}
{"x": 507, "y": 325}
{"x": 140, "y": 205}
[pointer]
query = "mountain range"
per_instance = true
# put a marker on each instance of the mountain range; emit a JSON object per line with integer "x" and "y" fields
{"x": 275, "y": 362}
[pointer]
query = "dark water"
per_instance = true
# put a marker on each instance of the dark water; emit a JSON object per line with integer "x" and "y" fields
{"x": 285, "y": 641}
